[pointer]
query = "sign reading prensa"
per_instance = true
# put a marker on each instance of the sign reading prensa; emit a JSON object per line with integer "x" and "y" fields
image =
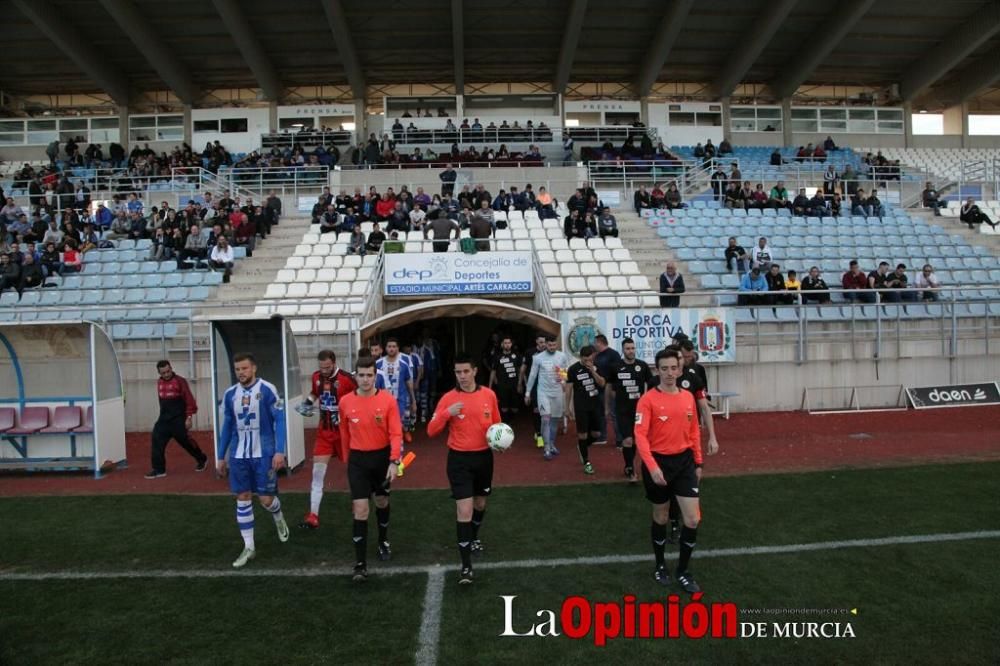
{"x": 957, "y": 395}
{"x": 454, "y": 273}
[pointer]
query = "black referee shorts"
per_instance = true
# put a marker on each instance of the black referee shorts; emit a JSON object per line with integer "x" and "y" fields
{"x": 470, "y": 473}
{"x": 366, "y": 473}
{"x": 507, "y": 396}
{"x": 587, "y": 420}
{"x": 679, "y": 471}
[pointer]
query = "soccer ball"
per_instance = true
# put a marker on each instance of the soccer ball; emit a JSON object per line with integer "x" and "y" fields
{"x": 500, "y": 436}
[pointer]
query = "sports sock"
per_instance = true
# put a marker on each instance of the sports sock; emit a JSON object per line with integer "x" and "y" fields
{"x": 382, "y": 516}
{"x": 465, "y": 536}
{"x": 689, "y": 536}
{"x": 583, "y": 445}
{"x": 275, "y": 509}
{"x": 316, "y": 491}
{"x": 546, "y": 433}
{"x": 553, "y": 431}
{"x": 477, "y": 521}
{"x": 675, "y": 514}
{"x": 628, "y": 454}
{"x": 658, "y": 533}
{"x": 360, "y": 541}
{"x": 244, "y": 520}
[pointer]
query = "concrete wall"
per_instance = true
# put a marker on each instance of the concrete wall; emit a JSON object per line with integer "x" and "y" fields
{"x": 560, "y": 181}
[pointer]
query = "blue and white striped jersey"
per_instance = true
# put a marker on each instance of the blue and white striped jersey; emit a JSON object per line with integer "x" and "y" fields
{"x": 253, "y": 421}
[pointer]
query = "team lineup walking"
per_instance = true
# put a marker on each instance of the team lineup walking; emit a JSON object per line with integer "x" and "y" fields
{"x": 658, "y": 413}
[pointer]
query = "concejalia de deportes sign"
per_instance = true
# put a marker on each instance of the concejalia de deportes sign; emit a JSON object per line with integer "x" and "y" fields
{"x": 956, "y": 395}
{"x": 442, "y": 273}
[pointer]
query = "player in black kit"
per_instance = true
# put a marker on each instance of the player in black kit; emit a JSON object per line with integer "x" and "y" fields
{"x": 628, "y": 380}
{"x": 505, "y": 377}
{"x": 584, "y": 386}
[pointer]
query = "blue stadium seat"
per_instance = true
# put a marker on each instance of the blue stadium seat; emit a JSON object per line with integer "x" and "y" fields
{"x": 126, "y": 244}
{"x": 167, "y": 267}
{"x": 155, "y": 295}
{"x": 30, "y": 298}
{"x": 191, "y": 279}
{"x": 134, "y": 296}
{"x": 198, "y": 293}
{"x": 149, "y": 267}
{"x": 129, "y": 267}
{"x": 710, "y": 281}
{"x": 49, "y": 297}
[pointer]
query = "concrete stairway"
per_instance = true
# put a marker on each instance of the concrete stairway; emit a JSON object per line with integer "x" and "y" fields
{"x": 652, "y": 253}
{"x": 252, "y": 275}
{"x": 955, "y": 226}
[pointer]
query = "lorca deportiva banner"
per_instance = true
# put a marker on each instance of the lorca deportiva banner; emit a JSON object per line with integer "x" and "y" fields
{"x": 712, "y": 330}
{"x": 442, "y": 273}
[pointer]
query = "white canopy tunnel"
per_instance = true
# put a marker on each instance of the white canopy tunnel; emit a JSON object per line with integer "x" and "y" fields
{"x": 271, "y": 342}
{"x": 61, "y": 400}
{"x": 460, "y": 307}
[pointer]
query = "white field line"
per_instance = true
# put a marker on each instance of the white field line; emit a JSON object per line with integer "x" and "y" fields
{"x": 312, "y": 572}
{"x": 430, "y": 622}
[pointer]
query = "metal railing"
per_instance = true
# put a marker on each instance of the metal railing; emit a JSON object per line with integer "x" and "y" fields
{"x": 457, "y": 163}
{"x": 283, "y": 179}
{"x": 218, "y": 183}
{"x": 884, "y": 325}
{"x": 306, "y": 139}
{"x": 489, "y": 135}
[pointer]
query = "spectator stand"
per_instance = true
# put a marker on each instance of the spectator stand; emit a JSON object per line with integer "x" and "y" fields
{"x": 61, "y": 400}
{"x": 272, "y": 343}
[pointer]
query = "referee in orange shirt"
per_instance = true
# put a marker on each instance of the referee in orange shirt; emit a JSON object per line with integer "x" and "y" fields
{"x": 669, "y": 443}
{"x": 372, "y": 435}
{"x": 469, "y": 410}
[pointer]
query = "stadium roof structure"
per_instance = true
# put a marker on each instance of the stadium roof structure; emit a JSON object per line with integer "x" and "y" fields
{"x": 928, "y": 51}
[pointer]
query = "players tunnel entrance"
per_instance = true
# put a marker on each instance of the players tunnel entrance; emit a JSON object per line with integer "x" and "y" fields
{"x": 461, "y": 324}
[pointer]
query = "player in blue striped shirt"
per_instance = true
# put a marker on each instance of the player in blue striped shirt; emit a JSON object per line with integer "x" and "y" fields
{"x": 252, "y": 448}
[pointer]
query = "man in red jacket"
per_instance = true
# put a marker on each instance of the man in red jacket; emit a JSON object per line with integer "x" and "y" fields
{"x": 177, "y": 406}
{"x": 467, "y": 411}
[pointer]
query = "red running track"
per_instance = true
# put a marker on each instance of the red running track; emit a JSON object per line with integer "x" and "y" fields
{"x": 755, "y": 443}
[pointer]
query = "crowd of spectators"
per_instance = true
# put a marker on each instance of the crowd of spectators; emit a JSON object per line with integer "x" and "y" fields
{"x": 384, "y": 152}
{"x": 436, "y": 216}
{"x": 50, "y": 240}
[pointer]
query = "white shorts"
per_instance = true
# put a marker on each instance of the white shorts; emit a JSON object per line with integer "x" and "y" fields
{"x": 551, "y": 404}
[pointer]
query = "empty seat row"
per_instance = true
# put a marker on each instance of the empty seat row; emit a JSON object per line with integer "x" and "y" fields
{"x": 37, "y": 419}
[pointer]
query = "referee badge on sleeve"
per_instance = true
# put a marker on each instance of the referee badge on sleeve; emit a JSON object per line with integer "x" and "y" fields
{"x": 638, "y": 418}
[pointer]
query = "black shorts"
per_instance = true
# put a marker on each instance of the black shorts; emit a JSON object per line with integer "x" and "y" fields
{"x": 366, "y": 473}
{"x": 679, "y": 471}
{"x": 626, "y": 423}
{"x": 587, "y": 420}
{"x": 507, "y": 396}
{"x": 470, "y": 473}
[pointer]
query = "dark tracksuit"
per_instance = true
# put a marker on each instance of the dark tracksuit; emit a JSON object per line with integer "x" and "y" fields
{"x": 176, "y": 404}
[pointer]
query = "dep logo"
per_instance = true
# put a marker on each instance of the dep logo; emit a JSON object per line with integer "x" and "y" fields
{"x": 436, "y": 268}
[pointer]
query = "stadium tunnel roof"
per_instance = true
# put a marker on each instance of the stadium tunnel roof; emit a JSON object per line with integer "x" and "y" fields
{"x": 939, "y": 51}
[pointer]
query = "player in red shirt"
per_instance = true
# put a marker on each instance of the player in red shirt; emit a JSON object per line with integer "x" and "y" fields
{"x": 372, "y": 434}
{"x": 668, "y": 440}
{"x": 329, "y": 385}
{"x": 468, "y": 410}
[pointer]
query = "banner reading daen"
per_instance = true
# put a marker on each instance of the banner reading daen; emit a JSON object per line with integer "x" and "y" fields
{"x": 712, "y": 330}
{"x": 439, "y": 273}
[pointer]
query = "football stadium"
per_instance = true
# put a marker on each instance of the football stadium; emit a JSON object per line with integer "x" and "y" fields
{"x": 411, "y": 332}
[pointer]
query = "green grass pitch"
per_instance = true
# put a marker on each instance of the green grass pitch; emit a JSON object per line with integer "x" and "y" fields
{"x": 917, "y": 603}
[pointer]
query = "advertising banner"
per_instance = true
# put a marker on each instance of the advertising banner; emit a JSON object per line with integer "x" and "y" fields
{"x": 456, "y": 273}
{"x": 955, "y": 395}
{"x": 712, "y": 330}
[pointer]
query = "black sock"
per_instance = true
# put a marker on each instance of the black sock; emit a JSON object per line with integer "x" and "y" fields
{"x": 465, "y": 533}
{"x": 382, "y": 516}
{"x": 477, "y": 521}
{"x": 583, "y": 445}
{"x": 675, "y": 514}
{"x": 658, "y": 533}
{"x": 628, "y": 453}
{"x": 688, "y": 537}
{"x": 361, "y": 541}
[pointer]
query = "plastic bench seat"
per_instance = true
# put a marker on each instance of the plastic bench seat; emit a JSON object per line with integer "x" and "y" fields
{"x": 32, "y": 420}
{"x": 65, "y": 419}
